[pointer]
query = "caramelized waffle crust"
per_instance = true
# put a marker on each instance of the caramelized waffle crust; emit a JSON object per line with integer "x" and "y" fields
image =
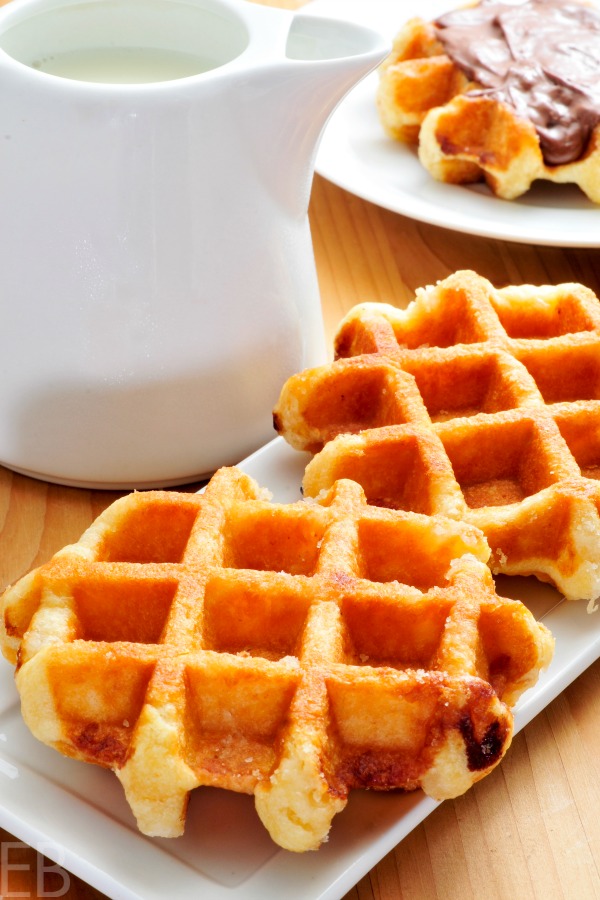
{"x": 479, "y": 404}
{"x": 290, "y": 651}
{"x": 467, "y": 133}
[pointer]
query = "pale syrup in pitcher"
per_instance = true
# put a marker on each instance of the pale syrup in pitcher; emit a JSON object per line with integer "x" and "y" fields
{"x": 124, "y": 65}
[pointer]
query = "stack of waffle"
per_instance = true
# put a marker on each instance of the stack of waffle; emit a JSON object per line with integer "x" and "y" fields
{"x": 352, "y": 639}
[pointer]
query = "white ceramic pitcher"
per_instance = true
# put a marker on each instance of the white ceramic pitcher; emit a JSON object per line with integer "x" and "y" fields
{"x": 157, "y": 279}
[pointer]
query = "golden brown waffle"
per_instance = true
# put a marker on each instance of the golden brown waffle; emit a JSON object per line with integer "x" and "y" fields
{"x": 423, "y": 98}
{"x": 290, "y": 651}
{"x": 480, "y": 404}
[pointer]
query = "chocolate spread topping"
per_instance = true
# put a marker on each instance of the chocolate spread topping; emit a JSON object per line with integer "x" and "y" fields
{"x": 542, "y": 57}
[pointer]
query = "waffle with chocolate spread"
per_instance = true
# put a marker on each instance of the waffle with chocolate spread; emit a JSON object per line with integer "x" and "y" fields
{"x": 477, "y": 403}
{"x": 506, "y": 92}
{"x": 290, "y": 651}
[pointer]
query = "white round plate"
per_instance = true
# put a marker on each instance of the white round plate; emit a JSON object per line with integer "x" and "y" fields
{"x": 357, "y": 155}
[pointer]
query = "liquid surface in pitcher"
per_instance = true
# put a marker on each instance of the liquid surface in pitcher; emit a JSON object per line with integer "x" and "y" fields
{"x": 124, "y": 65}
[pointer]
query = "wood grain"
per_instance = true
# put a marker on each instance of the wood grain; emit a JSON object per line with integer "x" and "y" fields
{"x": 532, "y": 828}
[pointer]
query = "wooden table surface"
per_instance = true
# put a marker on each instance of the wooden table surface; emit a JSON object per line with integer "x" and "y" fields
{"x": 532, "y": 828}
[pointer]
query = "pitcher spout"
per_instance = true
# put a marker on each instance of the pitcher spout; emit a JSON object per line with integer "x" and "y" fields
{"x": 322, "y": 59}
{"x": 336, "y": 53}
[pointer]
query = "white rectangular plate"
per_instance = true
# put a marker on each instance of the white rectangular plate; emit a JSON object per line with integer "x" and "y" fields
{"x": 76, "y": 814}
